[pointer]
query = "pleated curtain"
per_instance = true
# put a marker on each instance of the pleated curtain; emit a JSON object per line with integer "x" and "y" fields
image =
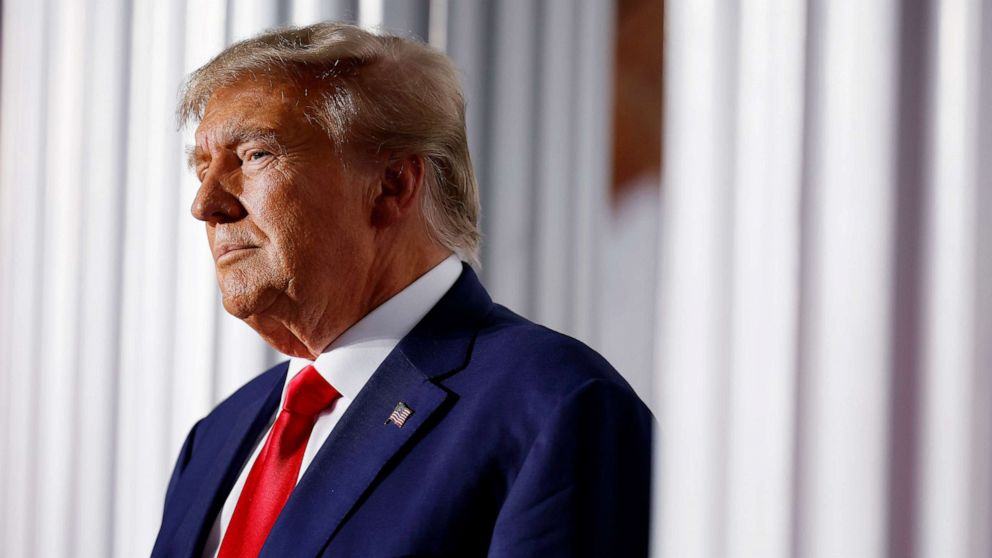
{"x": 824, "y": 372}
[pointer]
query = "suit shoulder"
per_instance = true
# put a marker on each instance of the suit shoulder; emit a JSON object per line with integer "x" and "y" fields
{"x": 537, "y": 358}
{"x": 524, "y": 379}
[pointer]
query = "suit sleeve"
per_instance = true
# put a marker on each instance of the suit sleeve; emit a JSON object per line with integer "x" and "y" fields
{"x": 584, "y": 488}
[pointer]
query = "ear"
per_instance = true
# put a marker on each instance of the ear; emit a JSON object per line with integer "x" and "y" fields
{"x": 400, "y": 184}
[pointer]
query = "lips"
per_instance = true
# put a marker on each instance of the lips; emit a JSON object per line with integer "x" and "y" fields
{"x": 230, "y": 248}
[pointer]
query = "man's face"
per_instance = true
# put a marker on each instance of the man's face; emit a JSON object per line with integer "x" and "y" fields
{"x": 288, "y": 227}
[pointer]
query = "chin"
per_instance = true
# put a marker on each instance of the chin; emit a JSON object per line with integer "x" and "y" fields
{"x": 243, "y": 302}
{"x": 238, "y": 307}
{"x": 246, "y": 292}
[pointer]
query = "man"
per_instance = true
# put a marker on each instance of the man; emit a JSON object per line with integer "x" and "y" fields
{"x": 416, "y": 417}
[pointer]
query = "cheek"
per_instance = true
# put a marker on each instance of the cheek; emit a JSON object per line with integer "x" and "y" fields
{"x": 309, "y": 220}
{"x": 275, "y": 210}
{"x": 266, "y": 197}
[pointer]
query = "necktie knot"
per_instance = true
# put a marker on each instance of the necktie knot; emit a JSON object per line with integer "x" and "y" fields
{"x": 309, "y": 393}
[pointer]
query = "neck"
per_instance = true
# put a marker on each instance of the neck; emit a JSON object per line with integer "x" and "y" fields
{"x": 306, "y": 330}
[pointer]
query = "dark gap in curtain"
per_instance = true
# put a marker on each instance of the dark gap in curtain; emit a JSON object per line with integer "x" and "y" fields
{"x": 228, "y": 31}
{"x": 127, "y": 12}
{"x": 907, "y": 300}
{"x": 538, "y": 81}
{"x": 812, "y": 83}
{"x": 981, "y": 516}
{"x": 408, "y": 18}
{"x": 728, "y": 261}
{"x": 282, "y": 12}
{"x": 348, "y": 10}
{"x": 488, "y": 26}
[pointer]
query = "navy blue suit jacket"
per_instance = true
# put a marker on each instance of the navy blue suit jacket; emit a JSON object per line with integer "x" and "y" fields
{"x": 522, "y": 442}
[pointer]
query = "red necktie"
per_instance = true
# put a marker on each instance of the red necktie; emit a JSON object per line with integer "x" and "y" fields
{"x": 277, "y": 467}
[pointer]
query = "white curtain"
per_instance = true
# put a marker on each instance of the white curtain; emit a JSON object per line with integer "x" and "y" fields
{"x": 823, "y": 379}
{"x": 825, "y": 309}
{"x": 112, "y": 338}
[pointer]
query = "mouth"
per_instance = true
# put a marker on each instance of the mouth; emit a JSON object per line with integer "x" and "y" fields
{"x": 230, "y": 250}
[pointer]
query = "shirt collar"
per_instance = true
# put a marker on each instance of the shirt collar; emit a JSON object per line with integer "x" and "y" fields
{"x": 351, "y": 359}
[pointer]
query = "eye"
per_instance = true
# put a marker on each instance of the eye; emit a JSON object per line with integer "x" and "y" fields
{"x": 256, "y": 155}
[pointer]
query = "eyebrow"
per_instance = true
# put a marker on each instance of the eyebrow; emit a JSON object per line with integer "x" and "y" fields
{"x": 193, "y": 156}
{"x": 235, "y": 134}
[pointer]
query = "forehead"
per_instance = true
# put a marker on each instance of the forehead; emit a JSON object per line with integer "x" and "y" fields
{"x": 252, "y": 104}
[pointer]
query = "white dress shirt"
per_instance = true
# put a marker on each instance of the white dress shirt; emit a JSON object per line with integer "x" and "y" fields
{"x": 347, "y": 364}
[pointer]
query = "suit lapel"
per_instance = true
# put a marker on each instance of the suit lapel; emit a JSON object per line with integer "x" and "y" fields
{"x": 362, "y": 445}
{"x": 359, "y": 447}
{"x": 224, "y": 469}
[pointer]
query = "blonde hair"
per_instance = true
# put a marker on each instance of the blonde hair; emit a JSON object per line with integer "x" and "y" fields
{"x": 379, "y": 93}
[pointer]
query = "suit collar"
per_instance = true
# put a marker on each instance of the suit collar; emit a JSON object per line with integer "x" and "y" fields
{"x": 351, "y": 359}
{"x": 440, "y": 343}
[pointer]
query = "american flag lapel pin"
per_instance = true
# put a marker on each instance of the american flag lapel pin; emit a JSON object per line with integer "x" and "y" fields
{"x": 399, "y": 415}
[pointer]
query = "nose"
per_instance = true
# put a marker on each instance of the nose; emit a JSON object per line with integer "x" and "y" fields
{"x": 215, "y": 204}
